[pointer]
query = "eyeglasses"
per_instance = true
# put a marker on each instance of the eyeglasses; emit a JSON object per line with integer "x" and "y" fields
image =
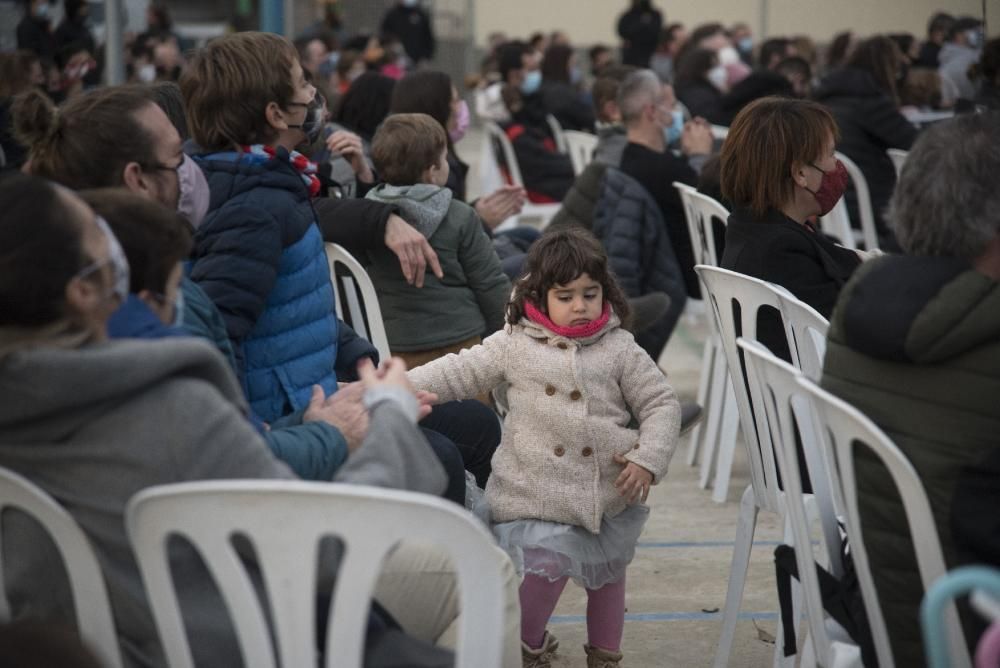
{"x": 164, "y": 168}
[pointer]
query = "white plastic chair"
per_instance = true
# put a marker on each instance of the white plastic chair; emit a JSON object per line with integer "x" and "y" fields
{"x": 86, "y": 581}
{"x": 285, "y": 522}
{"x": 788, "y": 408}
{"x": 580, "y": 146}
{"x": 838, "y": 223}
{"x": 363, "y": 315}
{"x": 842, "y": 427}
{"x": 558, "y": 134}
{"x": 806, "y": 331}
{"x": 724, "y": 289}
{"x": 714, "y": 393}
{"x": 898, "y": 157}
{"x": 497, "y": 138}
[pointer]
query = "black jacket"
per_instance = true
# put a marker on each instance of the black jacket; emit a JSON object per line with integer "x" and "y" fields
{"x": 703, "y": 99}
{"x": 779, "y": 250}
{"x": 36, "y": 35}
{"x": 545, "y": 171}
{"x": 760, "y": 83}
{"x": 356, "y": 224}
{"x": 412, "y": 26}
{"x": 869, "y": 124}
{"x": 639, "y": 29}
{"x": 563, "y": 100}
{"x": 657, "y": 173}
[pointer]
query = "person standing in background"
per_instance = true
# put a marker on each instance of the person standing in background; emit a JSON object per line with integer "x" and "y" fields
{"x": 639, "y": 29}
{"x": 411, "y": 25}
{"x": 34, "y": 32}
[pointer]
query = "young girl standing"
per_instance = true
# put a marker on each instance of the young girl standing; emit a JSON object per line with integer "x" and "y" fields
{"x": 572, "y": 472}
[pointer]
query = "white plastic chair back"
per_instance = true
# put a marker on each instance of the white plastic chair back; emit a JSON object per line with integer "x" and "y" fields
{"x": 806, "y": 331}
{"x": 898, "y": 157}
{"x": 700, "y": 210}
{"x": 724, "y": 290}
{"x": 498, "y": 138}
{"x": 357, "y": 302}
{"x": 868, "y": 232}
{"x": 285, "y": 522}
{"x": 580, "y": 146}
{"x": 86, "y": 581}
{"x": 840, "y": 426}
{"x": 558, "y": 134}
{"x": 787, "y": 407}
{"x": 838, "y": 222}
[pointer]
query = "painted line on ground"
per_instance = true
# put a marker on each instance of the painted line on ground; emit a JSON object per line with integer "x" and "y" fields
{"x": 668, "y": 617}
{"x": 709, "y": 543}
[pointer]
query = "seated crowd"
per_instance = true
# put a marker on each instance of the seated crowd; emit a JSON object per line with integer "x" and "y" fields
{"x": 167, "y": 312}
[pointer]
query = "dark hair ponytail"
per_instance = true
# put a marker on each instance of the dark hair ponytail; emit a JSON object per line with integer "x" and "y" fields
{"x": 40, "y": 251}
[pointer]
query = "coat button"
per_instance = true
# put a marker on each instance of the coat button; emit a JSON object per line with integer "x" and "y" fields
{"x": 588, "y": 451}
{"x": 575, "y": 395}
{"x": 549, "y": 390}
{"x": 560, "y": 451}
{"x": 562, "y": 345}
{"x": 635, "y": 447}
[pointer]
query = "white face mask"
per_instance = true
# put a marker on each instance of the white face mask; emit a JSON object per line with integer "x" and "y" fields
{"x": 728, "y": 56}
{"x": 718, "y": 77}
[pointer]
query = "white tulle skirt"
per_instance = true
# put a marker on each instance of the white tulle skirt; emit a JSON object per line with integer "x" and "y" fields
{"x": 553, "y": 550}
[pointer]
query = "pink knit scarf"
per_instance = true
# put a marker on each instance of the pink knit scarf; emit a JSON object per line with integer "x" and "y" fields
{"x": 578, "y": 332}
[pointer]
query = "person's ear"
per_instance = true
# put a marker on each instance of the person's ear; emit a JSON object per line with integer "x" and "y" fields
{"x": 83, "y": 296}
{"x": 135, "y": 179}
{"x": 275, "y": 116}
{"x": 798, "y": 174}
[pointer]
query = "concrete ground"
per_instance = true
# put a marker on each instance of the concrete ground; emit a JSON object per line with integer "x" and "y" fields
{"x": 677, "y": 583}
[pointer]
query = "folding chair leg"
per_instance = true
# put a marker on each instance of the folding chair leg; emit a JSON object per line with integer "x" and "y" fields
{"x": 704, "y": 386}
{"x": 737, "y": 575}
{"x": 727, "y": 446}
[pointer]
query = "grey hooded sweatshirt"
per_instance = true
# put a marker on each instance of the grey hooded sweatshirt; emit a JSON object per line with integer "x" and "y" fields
{"x": 469, "y": 301}
{"x": 94, "y": 425}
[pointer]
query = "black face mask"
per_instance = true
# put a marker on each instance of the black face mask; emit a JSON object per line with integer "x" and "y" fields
{"x": 313, "y": 123}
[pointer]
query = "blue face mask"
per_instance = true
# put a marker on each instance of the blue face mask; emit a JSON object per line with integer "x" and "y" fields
{"x": 575, "y": 75}
{"x": 672, "y": 133}
{"x": 745, "y": 44}
{"x": 532, "y": 80}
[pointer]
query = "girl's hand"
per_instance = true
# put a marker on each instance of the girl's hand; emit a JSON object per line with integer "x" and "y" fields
{"x": 634, "y": 481}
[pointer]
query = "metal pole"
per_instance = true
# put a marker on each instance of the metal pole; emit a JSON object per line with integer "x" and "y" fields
{"x": 114, "y": 43}
{"x": 289, "y": 18}
{"x": 272, "y": 16}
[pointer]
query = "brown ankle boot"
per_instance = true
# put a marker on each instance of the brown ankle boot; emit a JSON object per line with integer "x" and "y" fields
{"x": 541, "y": 657}
{"x": 601, "y": 658}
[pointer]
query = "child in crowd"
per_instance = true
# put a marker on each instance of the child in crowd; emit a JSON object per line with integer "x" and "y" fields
{"x": 447, "y": 314}
{"x": 572, "y": 472}
{"x": 259, "y": 253}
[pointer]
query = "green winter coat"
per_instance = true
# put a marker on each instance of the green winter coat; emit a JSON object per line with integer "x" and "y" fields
{"x": 471, "y": 297}
{"x": 914, "y": 343}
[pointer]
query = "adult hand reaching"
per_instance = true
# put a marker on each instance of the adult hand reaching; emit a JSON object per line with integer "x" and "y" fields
{"x": 350, "y": 147}
{"x": 343, "y": 410}
{"x": 412, "y": 249}
{"x": 392, "y": 373}
{"x": 500, "y": 205}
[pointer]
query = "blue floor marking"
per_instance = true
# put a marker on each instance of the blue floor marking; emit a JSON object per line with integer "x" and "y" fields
{"x": 668, "y": 617}
{"x": 720, "y": 543}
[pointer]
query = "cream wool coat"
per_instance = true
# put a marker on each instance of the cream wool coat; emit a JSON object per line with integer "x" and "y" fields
{"x": 570, "y": 405}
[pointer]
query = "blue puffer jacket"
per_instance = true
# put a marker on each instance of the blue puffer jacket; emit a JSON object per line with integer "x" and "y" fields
{"x": 629, "y": 224}
{"x": 259, "y": 256}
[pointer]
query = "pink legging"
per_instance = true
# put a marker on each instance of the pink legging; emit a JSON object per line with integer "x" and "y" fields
{"x": 605, "y": 611}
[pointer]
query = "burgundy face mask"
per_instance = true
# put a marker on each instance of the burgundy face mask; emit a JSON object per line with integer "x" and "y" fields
{"x": 831, "y": 187}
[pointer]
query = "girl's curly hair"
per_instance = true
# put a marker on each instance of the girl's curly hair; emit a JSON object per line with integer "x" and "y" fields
{"x": 559, "y": 257}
